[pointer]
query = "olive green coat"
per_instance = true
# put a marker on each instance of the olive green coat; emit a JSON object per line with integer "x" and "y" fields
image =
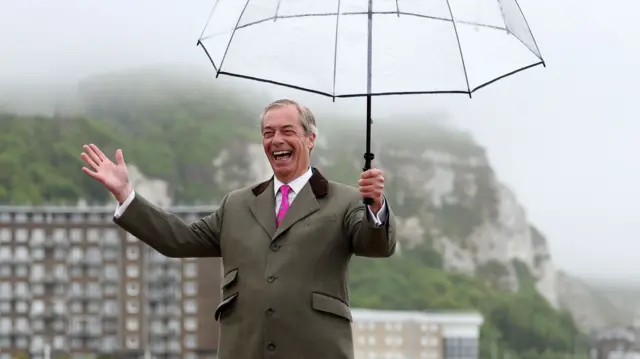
{"x": 284, "y": 291}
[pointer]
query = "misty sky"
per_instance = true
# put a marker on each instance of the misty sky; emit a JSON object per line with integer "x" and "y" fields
{"x": 564, "y": 138}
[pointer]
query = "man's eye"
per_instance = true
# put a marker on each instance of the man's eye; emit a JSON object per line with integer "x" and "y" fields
{"x": 268, "y": 134}
{"x": 289, "y": 132}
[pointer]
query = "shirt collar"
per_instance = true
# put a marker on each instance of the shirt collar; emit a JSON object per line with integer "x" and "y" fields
{"x": 296, "y": 185}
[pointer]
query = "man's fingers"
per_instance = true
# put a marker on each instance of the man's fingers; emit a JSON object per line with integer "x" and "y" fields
{"x": 89, "y": 151}
{"x": 98, "y": 152}
{"x": 119, "y": 158}
{"x": 92, "y": 173}
{"x": 372, "y": 188}
{"x": 374, "y": 172}
{"x": 89, "y": 161}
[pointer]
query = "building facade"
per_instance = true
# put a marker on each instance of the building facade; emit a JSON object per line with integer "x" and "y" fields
{"x": 72, "y": 284}
{"x": 382, "y": 334}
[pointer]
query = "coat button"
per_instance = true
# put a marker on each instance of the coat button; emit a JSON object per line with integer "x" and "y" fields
{"x": 275, "y": 247}
{"x": 271, "y": 279}
{"x": 269, "y": 312}
{"x": 271, "y": 347}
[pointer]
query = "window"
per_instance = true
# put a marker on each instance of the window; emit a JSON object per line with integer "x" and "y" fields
{"x": 93, "y": 254}
{"x": 5, "y": 235}
{"x": 132, "y": 324}
{"x": 21, "y": 235}
{"x": 190, "y": 341}
{"x": 93, "y": 289}
{"x": 132, "y": 306}
{"x": 59, "y": 342}
{"x": 37, "y": 325}
{"x": 132, "y": 271}
{"x": 109, "y": 253}
{"x": 190, "y": 269}
{"x": 133, "y": 289}
{"x": 460, "y": 348}
{"x": 5, "y": 254}
{"x": 109, "y": 290}
{"x": 37, "y": 307}
{"x": 37, "y": 253}
{"x": 190, "y": 288}
{"x": 110, "y": 307}
{"x": 191, "y": 324}
{"x": 110, "y": 272}
{"x": 93, "y": 235}
{"x": 37, "y": 289}
{"x": 22, "y": 307}
{"x": 131, "y": 238}
{"x": 190, "y": 306}
{"x": 76, "y": 235}
{"x": 132, "y": 342}
{"x": 5, "y": 270}
{"x": 76, "y": 254}
{"x": 21, "y": 271}
{"x": 132, "y": 253}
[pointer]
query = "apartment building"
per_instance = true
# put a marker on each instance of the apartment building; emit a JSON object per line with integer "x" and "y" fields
{"x": 72, "y": 284}
{"x": 383, "y": 334}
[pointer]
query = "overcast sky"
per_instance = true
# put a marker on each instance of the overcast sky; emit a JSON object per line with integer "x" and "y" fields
{"x": 564, "y": 138}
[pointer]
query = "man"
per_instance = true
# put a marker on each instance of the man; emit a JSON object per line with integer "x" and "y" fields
{"x": 285, "y": 243}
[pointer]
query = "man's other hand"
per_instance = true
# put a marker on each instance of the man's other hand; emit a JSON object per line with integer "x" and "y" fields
{"x": 371, "y": 185}
{"x": 113, "y": 176}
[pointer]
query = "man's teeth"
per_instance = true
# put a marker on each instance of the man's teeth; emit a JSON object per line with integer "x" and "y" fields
{"x": 280, "y": 154}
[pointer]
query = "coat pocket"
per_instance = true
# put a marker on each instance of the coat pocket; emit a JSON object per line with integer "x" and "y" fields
{"x": 328, "y": 304}
{"x": 229, "y": 278}
{"x": 227, "y": 299}
{"x": 225, "y": 306}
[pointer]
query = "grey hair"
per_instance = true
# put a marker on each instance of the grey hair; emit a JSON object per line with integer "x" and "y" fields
{"x": 307, "y": 120}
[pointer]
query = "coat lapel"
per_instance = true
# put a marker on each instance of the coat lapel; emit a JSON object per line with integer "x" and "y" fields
{"x": 263, "y": 207}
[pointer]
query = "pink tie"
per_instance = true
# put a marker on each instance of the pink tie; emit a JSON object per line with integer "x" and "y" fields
{"x": 284, "y": 206}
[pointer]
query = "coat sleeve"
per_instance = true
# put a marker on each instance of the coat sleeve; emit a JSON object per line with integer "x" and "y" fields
{"x": 169, "y": 234}
{"x": 368, "y": 240}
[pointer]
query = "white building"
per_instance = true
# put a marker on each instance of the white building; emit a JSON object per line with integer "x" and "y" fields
{"x": 384, "y": 334}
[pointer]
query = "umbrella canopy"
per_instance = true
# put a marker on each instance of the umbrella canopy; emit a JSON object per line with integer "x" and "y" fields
{"x": 367, "y": 48}
{"x": 436, "y": 46}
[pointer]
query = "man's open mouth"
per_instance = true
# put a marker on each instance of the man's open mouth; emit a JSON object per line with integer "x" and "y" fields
{"x": 282, "y": 155}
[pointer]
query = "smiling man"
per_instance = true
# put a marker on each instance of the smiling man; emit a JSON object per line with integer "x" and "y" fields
{"x": 285, "y": 243}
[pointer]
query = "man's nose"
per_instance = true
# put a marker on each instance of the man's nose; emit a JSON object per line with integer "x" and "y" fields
{"x": 277, "y": 138}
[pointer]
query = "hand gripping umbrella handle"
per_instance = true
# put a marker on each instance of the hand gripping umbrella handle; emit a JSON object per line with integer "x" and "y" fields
{"x": 368, "y": 157}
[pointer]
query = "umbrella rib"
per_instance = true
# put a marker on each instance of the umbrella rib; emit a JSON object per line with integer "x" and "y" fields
{"x": 455, "y": 29}
{"x": 397, "y": 8}
{"x": 277, "y": 9}
{"x": 231, "y": 38}
{"x": 535, "y": 43}
{"x": 209, "y": 18}
{"x": 335, "y": 52}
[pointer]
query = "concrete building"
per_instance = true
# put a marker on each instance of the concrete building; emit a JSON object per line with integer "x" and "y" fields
{"x": 72, "y": 282}
{"x": 382, "y": 334}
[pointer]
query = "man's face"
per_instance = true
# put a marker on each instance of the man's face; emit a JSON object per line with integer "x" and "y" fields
{"x": 285, "y": 143}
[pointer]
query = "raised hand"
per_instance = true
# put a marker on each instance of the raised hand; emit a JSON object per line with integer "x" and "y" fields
{"x": 371, "y": 185}
{"x": 113, "y": 176}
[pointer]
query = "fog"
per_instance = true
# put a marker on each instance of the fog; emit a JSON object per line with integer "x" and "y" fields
{"x": 564, "y": 138}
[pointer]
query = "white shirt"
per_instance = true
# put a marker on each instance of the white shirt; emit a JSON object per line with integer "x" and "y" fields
{"x": 296, "y": 186}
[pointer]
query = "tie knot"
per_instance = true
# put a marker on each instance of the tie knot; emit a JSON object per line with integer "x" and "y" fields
{"x": 285, "y": 189}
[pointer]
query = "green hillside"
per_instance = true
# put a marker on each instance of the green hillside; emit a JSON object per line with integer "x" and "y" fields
{"x": 171, "y": 129}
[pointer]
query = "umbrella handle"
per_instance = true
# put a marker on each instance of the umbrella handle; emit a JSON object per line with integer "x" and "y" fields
{"x": 368, "y": 157}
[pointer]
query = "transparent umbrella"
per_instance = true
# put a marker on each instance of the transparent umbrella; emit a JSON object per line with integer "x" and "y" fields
{"x": 368, "y": 48}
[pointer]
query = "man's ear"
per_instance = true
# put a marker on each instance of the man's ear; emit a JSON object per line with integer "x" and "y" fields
{"x": 311, "y": 141}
